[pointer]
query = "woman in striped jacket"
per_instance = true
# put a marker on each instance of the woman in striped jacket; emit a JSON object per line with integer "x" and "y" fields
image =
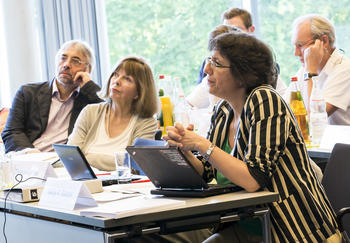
{"x": 268, "y": 150}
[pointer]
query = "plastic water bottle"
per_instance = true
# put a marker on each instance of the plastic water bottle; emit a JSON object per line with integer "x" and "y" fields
{"x": 318, "y": 114}
{"x": 181, "y": 111}
{"x": 165, "y": 87}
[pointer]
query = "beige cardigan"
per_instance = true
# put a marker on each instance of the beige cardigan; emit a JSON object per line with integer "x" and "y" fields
{"x": 85, "y": 132}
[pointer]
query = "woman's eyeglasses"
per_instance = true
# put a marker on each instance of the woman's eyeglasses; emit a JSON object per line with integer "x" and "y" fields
{"x": 215, "y": 64}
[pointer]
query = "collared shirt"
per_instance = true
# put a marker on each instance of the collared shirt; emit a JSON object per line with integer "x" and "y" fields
{"x": 57, "y": 126}
{"x": 334, "y": 81}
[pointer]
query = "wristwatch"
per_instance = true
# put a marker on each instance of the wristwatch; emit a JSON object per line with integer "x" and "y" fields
{"x": 207, "y": 154}
{"x": 308, "y": 75}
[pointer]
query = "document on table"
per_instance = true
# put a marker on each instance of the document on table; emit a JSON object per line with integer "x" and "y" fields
{"x": 335, "y": 134}
{"x": 43, "y": 156}
{"x": 132, "y": 206}
{"x": 112, "y": 196}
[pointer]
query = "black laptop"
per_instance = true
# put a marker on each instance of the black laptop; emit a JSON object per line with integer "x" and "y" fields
{"x": 172, "y": 174}
{"x": 78, "y": 167}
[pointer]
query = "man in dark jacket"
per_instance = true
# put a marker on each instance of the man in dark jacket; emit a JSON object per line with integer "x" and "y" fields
{"x": 44, "y": 113}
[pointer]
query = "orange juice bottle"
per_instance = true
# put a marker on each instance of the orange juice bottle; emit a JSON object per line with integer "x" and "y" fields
{"x": 296, "y": 103}
{"x": 167, "y": 110}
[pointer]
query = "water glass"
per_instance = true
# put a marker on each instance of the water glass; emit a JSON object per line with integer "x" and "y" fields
{"x": 122, "y": 165}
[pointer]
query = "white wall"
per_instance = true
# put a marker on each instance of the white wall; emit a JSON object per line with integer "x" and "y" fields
{"x": 21, "y": 40}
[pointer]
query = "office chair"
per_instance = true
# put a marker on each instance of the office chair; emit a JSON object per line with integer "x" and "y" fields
{"x": 336, "y": 181}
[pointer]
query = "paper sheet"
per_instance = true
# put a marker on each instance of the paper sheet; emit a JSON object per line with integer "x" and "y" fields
{"x": 132, "y": 206}
{"x": 335, "y": 134}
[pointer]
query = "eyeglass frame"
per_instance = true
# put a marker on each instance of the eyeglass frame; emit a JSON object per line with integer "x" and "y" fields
{"x": 215, "y": 64}
{"x": 75, "y": 61}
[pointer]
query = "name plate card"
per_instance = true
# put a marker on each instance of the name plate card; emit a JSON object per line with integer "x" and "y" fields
{"x": 66, "y": 194}
{"x": 39, "y": 169}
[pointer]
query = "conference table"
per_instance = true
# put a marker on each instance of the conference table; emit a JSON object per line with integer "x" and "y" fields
{"x": 28, "y": 222}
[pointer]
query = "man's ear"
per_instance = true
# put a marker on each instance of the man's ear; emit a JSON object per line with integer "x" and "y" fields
{"x": 325, "y": 40}
{"x": 251, "y": 29}
{"x": 88, "y": 68}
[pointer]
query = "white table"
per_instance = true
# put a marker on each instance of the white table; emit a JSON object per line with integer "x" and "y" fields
{"x": 27, "y": 222}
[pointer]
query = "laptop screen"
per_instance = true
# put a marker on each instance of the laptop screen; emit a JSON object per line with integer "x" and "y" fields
{"x": 74, "y": 161}
{"x": 167, "y": 167}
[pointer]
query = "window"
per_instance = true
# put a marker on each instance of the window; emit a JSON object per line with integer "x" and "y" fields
{"x": 171, "y": 34}
{"x": 5, "y": 100}
{"x": 275, "y": 20}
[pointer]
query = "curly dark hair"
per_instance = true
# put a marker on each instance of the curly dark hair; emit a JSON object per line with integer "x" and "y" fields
{"x": 251, "y": 60}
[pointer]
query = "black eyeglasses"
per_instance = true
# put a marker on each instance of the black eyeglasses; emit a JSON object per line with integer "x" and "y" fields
{"x": 74, "y": 61}
{"x": 215, "y": 64}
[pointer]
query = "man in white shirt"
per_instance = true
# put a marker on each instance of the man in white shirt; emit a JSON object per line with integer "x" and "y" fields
{"x": 200, "y": 97}
{"x": 314, "y": 42}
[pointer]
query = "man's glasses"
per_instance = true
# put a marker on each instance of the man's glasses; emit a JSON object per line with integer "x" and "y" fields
{"x": 303, "y": 45}
{"x": 74, "y": 61}
{"x": 215, "y": 64}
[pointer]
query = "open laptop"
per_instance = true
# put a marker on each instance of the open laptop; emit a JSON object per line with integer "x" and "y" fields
{"x": 172, "y": 174}
{"x": 143, "y": 142}
{"x": 78, "y": 167}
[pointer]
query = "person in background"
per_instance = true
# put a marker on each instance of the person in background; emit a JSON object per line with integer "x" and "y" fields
{"x": 44, "y": 113}
{"x": 4, "y": 112}
{"x": 131, "y": 101}
{"x": 237, "y": 17}
{"x": 255, "y": 143}
{"x": 200, "y": 98}
{"x": 314, "y": 43}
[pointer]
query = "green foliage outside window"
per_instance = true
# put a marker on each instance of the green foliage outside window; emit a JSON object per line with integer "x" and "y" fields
{"x": 275, "y": 22}
{"x": 173, "y": 34}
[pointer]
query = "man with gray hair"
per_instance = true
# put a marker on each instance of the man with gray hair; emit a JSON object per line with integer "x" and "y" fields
{"x": 314, "y": 42}
{"x": 44, "y": 113}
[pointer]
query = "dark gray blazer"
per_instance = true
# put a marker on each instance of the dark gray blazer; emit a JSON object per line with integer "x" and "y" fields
{"x": 30, "y": 109}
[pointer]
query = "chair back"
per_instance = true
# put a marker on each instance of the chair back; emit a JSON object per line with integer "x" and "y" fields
{"x": 158, "y": 135}
{"x": 336, "y": 180}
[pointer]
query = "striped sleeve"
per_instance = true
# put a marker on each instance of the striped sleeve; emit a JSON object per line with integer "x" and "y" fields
{"x": 269, "y": 123}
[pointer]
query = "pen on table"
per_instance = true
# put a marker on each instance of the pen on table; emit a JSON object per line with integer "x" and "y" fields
{"x": 140, "y": 181}
{"x": 107, "y": 173}
{"x": 55, "y": 161}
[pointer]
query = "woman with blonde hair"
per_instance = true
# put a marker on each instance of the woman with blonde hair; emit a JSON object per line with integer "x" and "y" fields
{"x": 131, "y": 101}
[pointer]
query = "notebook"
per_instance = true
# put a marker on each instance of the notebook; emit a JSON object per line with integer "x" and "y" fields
{"x": 172, "y": 174}
{"x": 78, "y": 167}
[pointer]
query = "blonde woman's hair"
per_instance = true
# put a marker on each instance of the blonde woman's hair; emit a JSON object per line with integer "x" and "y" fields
{"x": 146, "y": 105}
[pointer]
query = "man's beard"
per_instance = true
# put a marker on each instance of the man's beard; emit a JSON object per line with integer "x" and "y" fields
{"x": 65, "y": 81}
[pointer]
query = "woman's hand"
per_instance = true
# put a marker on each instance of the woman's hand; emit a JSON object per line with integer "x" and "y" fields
{"x": 183, "y": 138}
